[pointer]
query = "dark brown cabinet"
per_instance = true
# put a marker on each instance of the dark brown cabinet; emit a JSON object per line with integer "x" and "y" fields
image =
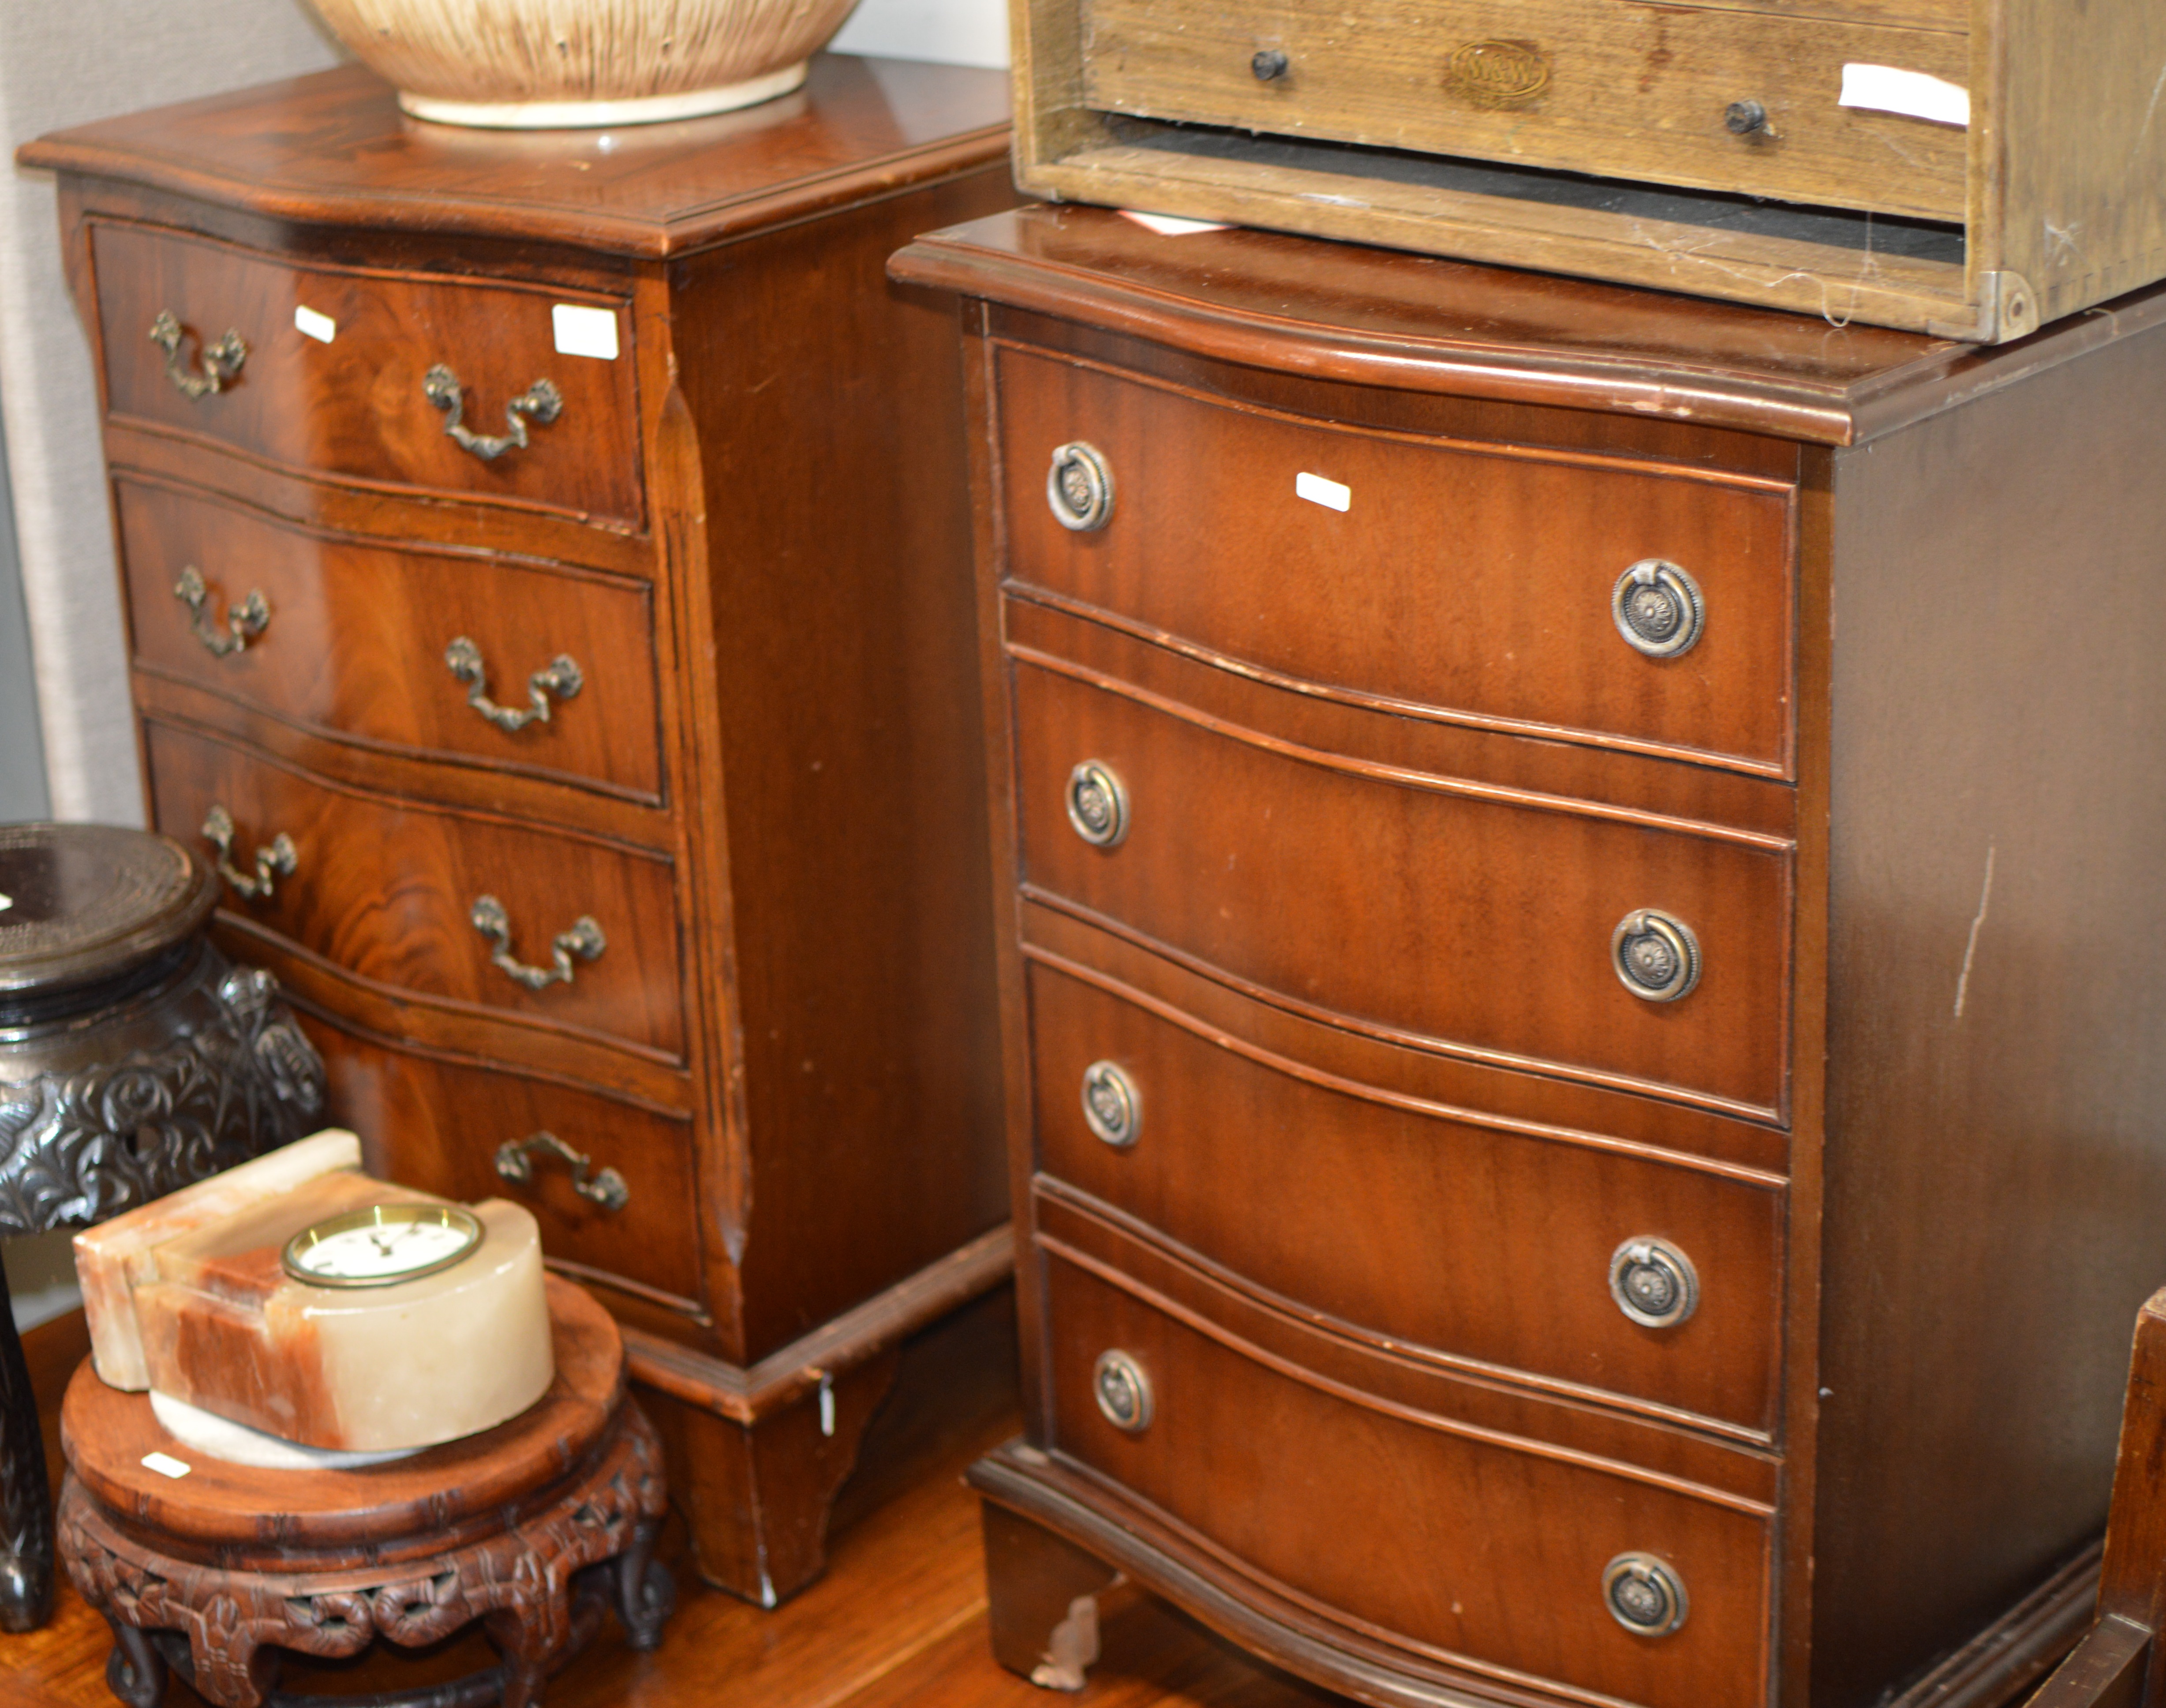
{"x": 544, "y": 560}
{"x": 1583, "y": 965}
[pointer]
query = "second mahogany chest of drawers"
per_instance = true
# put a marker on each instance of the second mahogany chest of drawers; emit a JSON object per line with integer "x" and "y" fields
{"x": 544, "y": 559}
{"x": 1584, "y": 966}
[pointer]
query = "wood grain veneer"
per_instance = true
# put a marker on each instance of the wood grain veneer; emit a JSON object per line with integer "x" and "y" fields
{"x": 765, "y": 791}
{"x": 1396, "y": 1108}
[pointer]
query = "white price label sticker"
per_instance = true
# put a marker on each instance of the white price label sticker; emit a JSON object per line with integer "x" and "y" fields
{"x": 1172, "y": 225}
{"x": 1317, "y": 490}
{"x": 1914, "y": 94}
{"x": 584, "y": 331}
{"x": 321, "y": 327}
{"x": 165, "y": 1465}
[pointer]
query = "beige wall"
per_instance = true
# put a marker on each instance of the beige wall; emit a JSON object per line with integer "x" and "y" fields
{"x": 62, "y": 62}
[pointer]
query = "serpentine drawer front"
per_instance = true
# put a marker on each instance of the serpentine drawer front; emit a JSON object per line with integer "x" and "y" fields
{"x": 1482, "y": 583}
{"x": 1432, "y": 1511}
{"x": 423, "y": 933}
{"x": 1458, "y": 1232}
{"x": 1496, "y": 929}
{"x": 1557, "y": 867}
{"x": 540, "y": 427}
{"x": 528, "y": 666}
{"x": 474, "y": 1132}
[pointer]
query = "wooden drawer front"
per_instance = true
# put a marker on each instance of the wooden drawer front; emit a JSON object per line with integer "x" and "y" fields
{"x": 1614, "y": 88}
{"x": 1478, "y": 923}
{"x": 429, "y": 1124}
{"x": 355, "y": 407}
{"x": 356, "y": 634}
{"x": 386, "y": 889}
{"x": 1473, "y": 583}
{"x": 1433, "y": 1232}
{"x": 1484, "y": 1551}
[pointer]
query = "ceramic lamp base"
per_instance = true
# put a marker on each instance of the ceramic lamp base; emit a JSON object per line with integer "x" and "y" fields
{"x": 586, "y": 115}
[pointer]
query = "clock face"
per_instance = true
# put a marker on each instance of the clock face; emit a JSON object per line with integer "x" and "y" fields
{"x": 385, "y": 1243}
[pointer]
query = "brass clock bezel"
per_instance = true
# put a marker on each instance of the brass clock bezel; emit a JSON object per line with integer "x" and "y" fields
{"x": 379, "y": 1216}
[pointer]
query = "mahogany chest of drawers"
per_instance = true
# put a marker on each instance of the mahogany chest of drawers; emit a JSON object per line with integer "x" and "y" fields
{"x": 545, "y": 563}
{"x": 1583, "y": 965}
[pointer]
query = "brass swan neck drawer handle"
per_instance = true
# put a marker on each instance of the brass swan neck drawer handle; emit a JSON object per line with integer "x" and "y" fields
{"x": 221, "y": 361}
{"x": 243, "y": 621}
{"x": 540, "y": 403}
{"x": 584, "y": 940}
{"x": 560, "y": 676}
{"x": 273, "y": 862}
{"x": 605, "y": 1186}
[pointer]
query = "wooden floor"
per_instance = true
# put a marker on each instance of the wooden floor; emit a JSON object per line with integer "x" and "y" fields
{"x": 898, "y": 1621}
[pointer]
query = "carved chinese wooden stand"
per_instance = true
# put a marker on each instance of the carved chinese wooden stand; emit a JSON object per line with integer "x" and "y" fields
{"x": 135, "y": 1058}
{"x": 534, "y": 1528}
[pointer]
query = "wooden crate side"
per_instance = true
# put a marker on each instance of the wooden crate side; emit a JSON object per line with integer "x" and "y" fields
{"x": 2082, "y": 117}
{"x": 1046, "y": 52}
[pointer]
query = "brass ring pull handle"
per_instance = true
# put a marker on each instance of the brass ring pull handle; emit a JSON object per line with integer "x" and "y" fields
{"x": 1097, "y": 804}
{"x": 273, "y": 862}
{"x": 514, "y": 1162}
{"x": 243, "y": 621}
{"x": 541, "y": 402}
{"x": 1644, "y": 1594}
{"x": 1079, "y": 488}
{"x": 1653, "y": 1282}
{"x": 221, "y": 362}
{"x": 584, "y": 940}
{"x": 1655, "y": 955}
{"x": 1658, "y": 609}
{"x": 1124, "y": 1392}
{"x": 560, "y": 676}
{"x": 1112, "y": 1108}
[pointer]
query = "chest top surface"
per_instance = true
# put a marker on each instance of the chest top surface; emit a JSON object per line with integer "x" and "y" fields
{"x": 1384, "y": 317}
{"x": 334, "y": 146}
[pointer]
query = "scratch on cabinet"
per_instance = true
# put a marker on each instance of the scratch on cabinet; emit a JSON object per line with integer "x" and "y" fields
{"x": 1970, "y": 949}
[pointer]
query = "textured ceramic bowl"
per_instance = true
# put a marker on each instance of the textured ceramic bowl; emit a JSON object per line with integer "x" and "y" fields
{"x": 527, "y": 65}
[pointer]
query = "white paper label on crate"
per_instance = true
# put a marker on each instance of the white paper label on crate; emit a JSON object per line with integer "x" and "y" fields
{"x": 321, "y": 327}
{"x": 1171, "y": 224}
{"x": 6, "y": 902}
{"x": 165, "y": 1465}
{"x": 584, "y": 331}
{"x": 1914, "y": 94}
{"x": 1317, "y": 490}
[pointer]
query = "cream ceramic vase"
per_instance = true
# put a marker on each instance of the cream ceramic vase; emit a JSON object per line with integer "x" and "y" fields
{"x": 541, "y": 64}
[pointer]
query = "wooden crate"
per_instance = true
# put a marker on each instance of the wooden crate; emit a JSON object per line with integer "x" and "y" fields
{"x": 1618, "y": 140}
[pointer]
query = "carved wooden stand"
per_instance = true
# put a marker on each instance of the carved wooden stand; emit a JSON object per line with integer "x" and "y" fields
{"x": 534, "y": 1528}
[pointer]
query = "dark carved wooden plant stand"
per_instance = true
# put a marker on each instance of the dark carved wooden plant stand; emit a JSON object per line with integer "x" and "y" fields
{"x": 534, "y": 1528}
{"x": 134, "y": 1058}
